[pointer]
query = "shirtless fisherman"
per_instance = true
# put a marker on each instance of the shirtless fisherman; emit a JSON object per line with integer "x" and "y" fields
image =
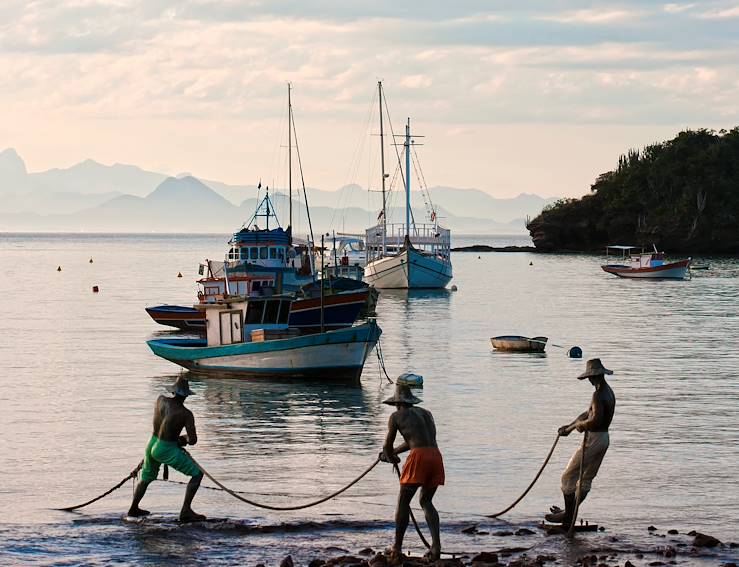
{"x": 424, "y": 466}
{"x": 165, "y": 446}
{"x": 594, "y": 423}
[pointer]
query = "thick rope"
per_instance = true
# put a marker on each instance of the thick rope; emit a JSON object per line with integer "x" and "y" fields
{"x": 578, "y": 494}
{"x": 533, "y": 482}
{"x": 132, "y": 474}
{"x": 298, "y": 507}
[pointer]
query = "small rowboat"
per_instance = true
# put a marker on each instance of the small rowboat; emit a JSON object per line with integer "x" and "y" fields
{"x": 517, "y": 343}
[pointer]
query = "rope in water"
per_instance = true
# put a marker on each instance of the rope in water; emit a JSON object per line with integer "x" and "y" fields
{"x": 297, "y": 507}
{"x": 533, "y": 482}
{"x": 130, "y": 475}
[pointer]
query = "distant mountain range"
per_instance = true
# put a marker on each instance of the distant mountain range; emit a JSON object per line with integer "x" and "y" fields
{"x": 91, "y": 196}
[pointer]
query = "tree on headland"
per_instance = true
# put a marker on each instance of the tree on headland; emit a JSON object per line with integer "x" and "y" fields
{"x": 682, "y": 195}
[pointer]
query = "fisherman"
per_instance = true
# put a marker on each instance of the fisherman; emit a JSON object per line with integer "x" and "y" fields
{"x": 423, "y": 468}
{"x": 165, "y": 446}
{"x": 594, "y": 423}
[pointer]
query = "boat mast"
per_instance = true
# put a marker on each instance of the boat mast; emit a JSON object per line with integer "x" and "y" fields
{"x": 382, "y": 161}
{"x": 290, "y": 155}
{"x": 408, "y": 178}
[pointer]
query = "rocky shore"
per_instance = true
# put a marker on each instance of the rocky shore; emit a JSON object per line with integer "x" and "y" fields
{"x": 672, "y": 548}
{"x": 486, "y": 248}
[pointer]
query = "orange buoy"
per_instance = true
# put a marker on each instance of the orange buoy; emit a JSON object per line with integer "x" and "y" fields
{"x": 58, "y": 268}
{"x": 95, "y": 289}
{"x": 179, "y": 274}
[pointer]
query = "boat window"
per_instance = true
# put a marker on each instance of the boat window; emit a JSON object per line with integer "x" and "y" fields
{"x": 254, "y": 253}
{"x": 272, "y": 253}
{"x": 281, "y": 253}
{"x": 254, "y": 312}
{"x": 244, "y": 253}
{"x": 270, "y": 315}
{"x": 263, "y": 253}
{"x": 256, "y": 286}
{"x": 284, "y": 312}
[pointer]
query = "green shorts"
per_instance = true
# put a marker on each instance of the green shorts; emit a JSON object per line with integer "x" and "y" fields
{"x": 169, "y": 453}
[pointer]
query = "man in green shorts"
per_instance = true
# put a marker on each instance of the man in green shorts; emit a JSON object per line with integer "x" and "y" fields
{"x": 165, "y": 446}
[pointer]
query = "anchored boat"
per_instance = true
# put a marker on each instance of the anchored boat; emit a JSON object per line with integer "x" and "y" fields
{"x": 649, "y": 265}
{"x": 517, "y": 343}
{"x": 406, "y": 255}
{"x": 251, "y": 338}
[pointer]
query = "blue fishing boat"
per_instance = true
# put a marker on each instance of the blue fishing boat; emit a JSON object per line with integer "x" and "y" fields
{"x": 251, "y": 338}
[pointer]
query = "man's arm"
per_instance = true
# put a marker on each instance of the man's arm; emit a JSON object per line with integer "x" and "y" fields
{"x": 192, "y": 435}
{"x": 594, "y": 416}
{"x": 388, "y": 452}
{"x": 565, "y": 430}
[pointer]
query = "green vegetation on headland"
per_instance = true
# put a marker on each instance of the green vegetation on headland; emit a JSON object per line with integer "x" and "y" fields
{"x": 682, "y": 195}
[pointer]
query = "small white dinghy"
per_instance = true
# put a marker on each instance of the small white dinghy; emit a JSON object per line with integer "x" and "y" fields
{"x": 517, "y": 343}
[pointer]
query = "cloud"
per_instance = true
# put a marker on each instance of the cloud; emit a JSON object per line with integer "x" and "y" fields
{"x": 726, "y": 13}
{"x": 593, "y": 16}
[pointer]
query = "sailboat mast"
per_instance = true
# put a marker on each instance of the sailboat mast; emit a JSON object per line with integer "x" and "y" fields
{"x": 290, "y": 154}
{"x": 382, "y": 162}
{"x": 408, "y": 178}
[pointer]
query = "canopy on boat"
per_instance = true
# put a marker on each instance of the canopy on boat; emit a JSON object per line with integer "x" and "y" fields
{"x": 622, "y": 247}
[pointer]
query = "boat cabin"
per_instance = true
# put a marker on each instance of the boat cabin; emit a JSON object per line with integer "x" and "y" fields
{"x": 428, "y": 238}
{"x": 636, "y": 260}
{"x": 242, "y": 319}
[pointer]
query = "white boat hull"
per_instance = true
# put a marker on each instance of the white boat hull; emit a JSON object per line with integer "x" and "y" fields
{"x": 408, "y": 270}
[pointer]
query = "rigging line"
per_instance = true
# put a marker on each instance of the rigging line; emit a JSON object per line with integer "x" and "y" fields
{"x": 302, "y": 179}
{"x": 416, "y": 166}
{"x": 424, "y": 185}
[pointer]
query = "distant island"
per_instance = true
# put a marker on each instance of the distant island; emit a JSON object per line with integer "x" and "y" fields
{"x": 681, "y": 195}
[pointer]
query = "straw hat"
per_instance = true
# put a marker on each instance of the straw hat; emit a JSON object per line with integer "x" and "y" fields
{"x": 402, "y": 396}
{"x": 182, "y": 387}
{"x": 594, "y": 367}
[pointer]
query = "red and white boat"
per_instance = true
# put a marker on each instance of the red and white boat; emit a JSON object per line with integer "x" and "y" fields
{"x": 645, "y": 265}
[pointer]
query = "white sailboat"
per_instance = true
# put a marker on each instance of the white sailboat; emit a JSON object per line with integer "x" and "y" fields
{"x": 409, "y": 255}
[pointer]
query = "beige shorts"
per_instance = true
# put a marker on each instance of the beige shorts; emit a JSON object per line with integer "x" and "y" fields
{"x": 595, "y": 450}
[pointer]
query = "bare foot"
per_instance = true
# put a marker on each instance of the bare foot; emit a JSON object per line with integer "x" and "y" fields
{"x": 138, "y": 512}
{"x": 556, "y": 517}
{"x": 432, "y": 555}
{"x": 394, "y": 556}
{"x": 187, "y": 517}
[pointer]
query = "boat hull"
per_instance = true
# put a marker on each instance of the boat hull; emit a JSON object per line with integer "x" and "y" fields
{"x": 515, "y": 343}
{"x": 179, "y": 317}
{"x": 339, "y": 311}
{"x": 334, "y": 356}
{"x": 672, "y": 271}
{"x": 409, "y": 269}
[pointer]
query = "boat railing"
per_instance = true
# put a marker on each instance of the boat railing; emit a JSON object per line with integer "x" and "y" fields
{"x": 420, "y": 234}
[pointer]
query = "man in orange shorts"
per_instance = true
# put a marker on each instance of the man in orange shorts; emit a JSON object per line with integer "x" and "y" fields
{"x": 424, "y": 466}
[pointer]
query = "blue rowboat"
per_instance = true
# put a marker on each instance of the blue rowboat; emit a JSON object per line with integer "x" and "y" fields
{"x": 334, "y": 356}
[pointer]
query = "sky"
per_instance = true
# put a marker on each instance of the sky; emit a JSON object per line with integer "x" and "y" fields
{"x": 510, "y": 96}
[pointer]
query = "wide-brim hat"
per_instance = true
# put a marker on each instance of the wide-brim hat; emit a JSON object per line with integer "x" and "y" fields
{"x": 181, "y": 387}
{"x": 594, "y": 367}
{"x": 402, "y": 395}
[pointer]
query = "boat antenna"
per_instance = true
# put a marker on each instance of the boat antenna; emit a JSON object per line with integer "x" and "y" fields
{"x": 384, "y": 175}
{"x": 290, "y": 156}
{"x": 302, "y": 177}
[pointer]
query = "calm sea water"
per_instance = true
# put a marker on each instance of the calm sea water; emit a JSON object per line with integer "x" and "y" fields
{"x": 79, "y": 385}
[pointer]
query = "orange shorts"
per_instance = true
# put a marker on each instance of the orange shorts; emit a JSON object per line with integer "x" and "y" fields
{"x": 423, "y": 466}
